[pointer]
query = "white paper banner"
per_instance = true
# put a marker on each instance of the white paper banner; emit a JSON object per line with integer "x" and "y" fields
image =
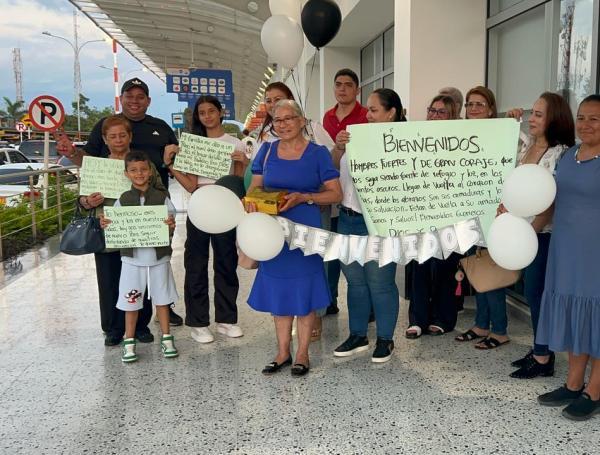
{"x": 440, "y": 244}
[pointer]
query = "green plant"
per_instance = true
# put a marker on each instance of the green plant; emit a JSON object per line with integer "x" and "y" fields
{"x": 16, "y": 221}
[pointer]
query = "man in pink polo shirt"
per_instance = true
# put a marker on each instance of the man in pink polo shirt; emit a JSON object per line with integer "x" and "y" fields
{"x": 347, "y": 111}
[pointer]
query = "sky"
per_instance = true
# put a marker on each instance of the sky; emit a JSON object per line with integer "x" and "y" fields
{"x": 48, "y": 62}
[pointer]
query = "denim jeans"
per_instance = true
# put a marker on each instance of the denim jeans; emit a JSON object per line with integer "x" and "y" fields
{"x": 369, "y": 286}
{"x": 491, "y": 311}
{"x": 535, "y": 278}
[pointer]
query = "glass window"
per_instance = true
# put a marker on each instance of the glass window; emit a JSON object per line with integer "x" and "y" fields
{"x": 518, "y": 50}
{"x": 497, "y": 6}
{"x": 367, "y": 89}
{"x": 367, "y": 61}
{"x": 2, "y": 158}
{"x": 388, "y": 49}
{"x": 388, "y": 81}
{"x": 16, "y": 157}
{"x": 574, "y": 72}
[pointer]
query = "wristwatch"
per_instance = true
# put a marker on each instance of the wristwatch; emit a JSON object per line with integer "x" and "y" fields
{"x": 310, "y": 201}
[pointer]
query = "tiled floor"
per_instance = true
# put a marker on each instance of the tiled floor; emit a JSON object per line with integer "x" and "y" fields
{"x": 62, "y": 391}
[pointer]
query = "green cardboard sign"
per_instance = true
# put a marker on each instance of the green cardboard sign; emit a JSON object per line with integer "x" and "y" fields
{"x": 103, "y": 175}
{"x": 418, "y": 176}
{"x": 136, "y": 227}
{"x": 202, "y": 156}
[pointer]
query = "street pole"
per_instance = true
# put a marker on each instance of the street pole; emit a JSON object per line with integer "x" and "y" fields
{"x": 115, "y": 75}
{"x": 76, "y": 68}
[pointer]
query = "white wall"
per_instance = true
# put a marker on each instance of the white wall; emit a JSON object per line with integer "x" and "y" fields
{"x": 437, "y": 43}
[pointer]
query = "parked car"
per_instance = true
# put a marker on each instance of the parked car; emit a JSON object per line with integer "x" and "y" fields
{"x": 34, "y": 150}
{"x": 10, "y": 155}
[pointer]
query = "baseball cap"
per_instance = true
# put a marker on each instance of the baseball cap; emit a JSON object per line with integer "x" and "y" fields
{"x": 135, "y": 82}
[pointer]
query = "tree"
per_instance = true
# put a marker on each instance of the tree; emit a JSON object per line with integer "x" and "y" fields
{"x": 14, "y": 111}
{"x": 89, "y": 115}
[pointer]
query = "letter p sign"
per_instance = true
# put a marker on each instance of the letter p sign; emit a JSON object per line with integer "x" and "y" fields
{"x": 46, "y": 113}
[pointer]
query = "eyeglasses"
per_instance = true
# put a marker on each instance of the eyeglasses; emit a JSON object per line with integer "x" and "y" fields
{"x": 282, "y": 120}
{"x": 432, "y": 111}
{"x": 477, "y": 104}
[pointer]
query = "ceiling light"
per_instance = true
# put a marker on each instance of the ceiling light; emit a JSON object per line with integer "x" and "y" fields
{"x": 252, "y": 7}
{"x": 264, "y": 84}
{"x": 270, "y": 70}
{"x": 210, "y": 29}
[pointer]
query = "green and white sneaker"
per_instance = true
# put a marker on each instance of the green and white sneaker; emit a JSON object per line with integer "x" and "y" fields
{"x": 128, "y": 354}
{"x": 167, "y": 344}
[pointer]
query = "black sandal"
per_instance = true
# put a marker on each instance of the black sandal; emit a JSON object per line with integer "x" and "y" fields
{"x": 274, "y": 367}
{"x": 490, "y": 343}
{"x": 469, "y": 335}
{"x": 299, "y": 370}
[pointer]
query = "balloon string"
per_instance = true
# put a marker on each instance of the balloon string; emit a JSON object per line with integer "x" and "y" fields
{"x": 296, "y": 85}
{"x": 312, "y": 68}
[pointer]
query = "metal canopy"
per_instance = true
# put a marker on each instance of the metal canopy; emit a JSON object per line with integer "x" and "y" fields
{"x": 165, "y": 34}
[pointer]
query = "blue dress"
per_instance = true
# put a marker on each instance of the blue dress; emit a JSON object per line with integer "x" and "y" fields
{"x": 570, "y": 309}
{"x": 292, "y": 284}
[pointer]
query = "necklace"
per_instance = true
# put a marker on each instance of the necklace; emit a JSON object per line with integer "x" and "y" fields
{"x": 595, "y": 157}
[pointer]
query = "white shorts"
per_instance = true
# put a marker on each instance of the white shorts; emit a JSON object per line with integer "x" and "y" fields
{"x": 134, "y": 279}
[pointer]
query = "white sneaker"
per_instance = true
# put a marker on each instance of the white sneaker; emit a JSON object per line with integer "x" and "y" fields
{"x": 230, "y": 330}
{"x": 202, "y": 334}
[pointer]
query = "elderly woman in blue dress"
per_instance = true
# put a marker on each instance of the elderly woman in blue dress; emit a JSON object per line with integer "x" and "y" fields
{"x": 570, "y": 311}
{"x": 291, "y": 284}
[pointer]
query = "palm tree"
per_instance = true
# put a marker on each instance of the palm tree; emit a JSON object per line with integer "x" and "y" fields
{"x": 14, "y": 111}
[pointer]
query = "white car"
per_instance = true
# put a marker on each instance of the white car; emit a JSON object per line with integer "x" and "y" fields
{"x": 13, "y": 186}
{"x": 11, "y": 155}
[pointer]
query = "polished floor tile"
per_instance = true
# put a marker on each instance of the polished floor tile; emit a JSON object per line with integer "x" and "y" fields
{"x": 62, "y": 391}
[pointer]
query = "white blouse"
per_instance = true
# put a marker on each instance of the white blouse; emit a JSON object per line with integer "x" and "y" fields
{"x": 549, "y": 160}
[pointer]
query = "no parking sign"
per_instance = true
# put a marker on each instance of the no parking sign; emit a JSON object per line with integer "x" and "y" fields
{"x": 46, "y": 113}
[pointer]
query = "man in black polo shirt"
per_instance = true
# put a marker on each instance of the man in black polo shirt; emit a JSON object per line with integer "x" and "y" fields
{"x": 150, "y": 135}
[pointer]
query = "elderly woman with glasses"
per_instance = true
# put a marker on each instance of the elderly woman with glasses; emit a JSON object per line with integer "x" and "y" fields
{"x": 291, "y": 284}
{"x": 432, "y": 306}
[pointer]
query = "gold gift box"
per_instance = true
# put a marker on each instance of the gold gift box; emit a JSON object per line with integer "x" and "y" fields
{"x": 266, "y": 201}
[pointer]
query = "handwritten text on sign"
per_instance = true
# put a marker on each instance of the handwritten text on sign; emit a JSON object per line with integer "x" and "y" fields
{"x": 203, "y": 156}
{"x": 136, "y": 227}
{"x": 103, "y": 175}
{"x": 418, "y": 176}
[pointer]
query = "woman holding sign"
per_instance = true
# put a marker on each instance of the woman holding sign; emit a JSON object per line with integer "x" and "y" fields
{"x": 432, "y": 306}
{"x": 369, "y": 286}
{"x": 116, "y": 132}
{"x": 490, "y": 319}
{"x": 207, "y": 121}
{"x": 292, "y": 284}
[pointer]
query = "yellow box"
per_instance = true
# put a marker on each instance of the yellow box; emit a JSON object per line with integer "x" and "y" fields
{"x": 266, "y": 201}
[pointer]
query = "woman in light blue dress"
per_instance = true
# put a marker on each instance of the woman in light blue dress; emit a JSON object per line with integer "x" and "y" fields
{"x": 570, "y": 311}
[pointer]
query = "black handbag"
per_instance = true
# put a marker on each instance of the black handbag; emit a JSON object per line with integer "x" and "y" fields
{"x": 83, "y": 235}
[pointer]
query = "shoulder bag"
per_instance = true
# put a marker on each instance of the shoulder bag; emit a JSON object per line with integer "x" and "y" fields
{"x": 83, "y": 235}
{"x": 484, "y": 274}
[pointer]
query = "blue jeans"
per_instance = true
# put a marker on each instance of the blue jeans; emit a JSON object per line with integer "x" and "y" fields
{"x": 369, "y": 286}
{"x": 491, "y": 311}
{"x": 535, "y": 278}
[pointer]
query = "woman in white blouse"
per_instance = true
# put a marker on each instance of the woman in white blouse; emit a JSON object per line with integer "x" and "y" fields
{"x": 551, "y": 133}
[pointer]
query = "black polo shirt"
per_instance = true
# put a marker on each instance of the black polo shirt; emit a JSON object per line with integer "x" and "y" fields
{"x": 150, "y": 135}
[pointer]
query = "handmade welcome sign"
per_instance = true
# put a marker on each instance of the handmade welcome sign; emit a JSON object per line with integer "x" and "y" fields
{"x": 420, "y": 177}
{"x": 203, "y": 156}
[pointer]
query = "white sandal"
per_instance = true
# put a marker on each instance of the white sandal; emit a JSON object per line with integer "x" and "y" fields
{"x": 413, "y": 332}
{"x": 435, "y": 330}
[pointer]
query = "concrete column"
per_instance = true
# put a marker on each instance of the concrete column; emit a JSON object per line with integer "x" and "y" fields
{"x": 437, "y": 43}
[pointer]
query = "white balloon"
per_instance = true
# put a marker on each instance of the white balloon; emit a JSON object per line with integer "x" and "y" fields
{"x": 290, "y": 8}
{"x": 215, "y": 209}
{"x": 512, "y": 242}
{"x": 528, "y": 190}
{"x": 283, "y": 40}
{"x": 260, "y": 236}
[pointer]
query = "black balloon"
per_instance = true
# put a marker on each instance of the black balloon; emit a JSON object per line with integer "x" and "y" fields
{"x": 233, "y": 183}
{"x": 321, "y": 20}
